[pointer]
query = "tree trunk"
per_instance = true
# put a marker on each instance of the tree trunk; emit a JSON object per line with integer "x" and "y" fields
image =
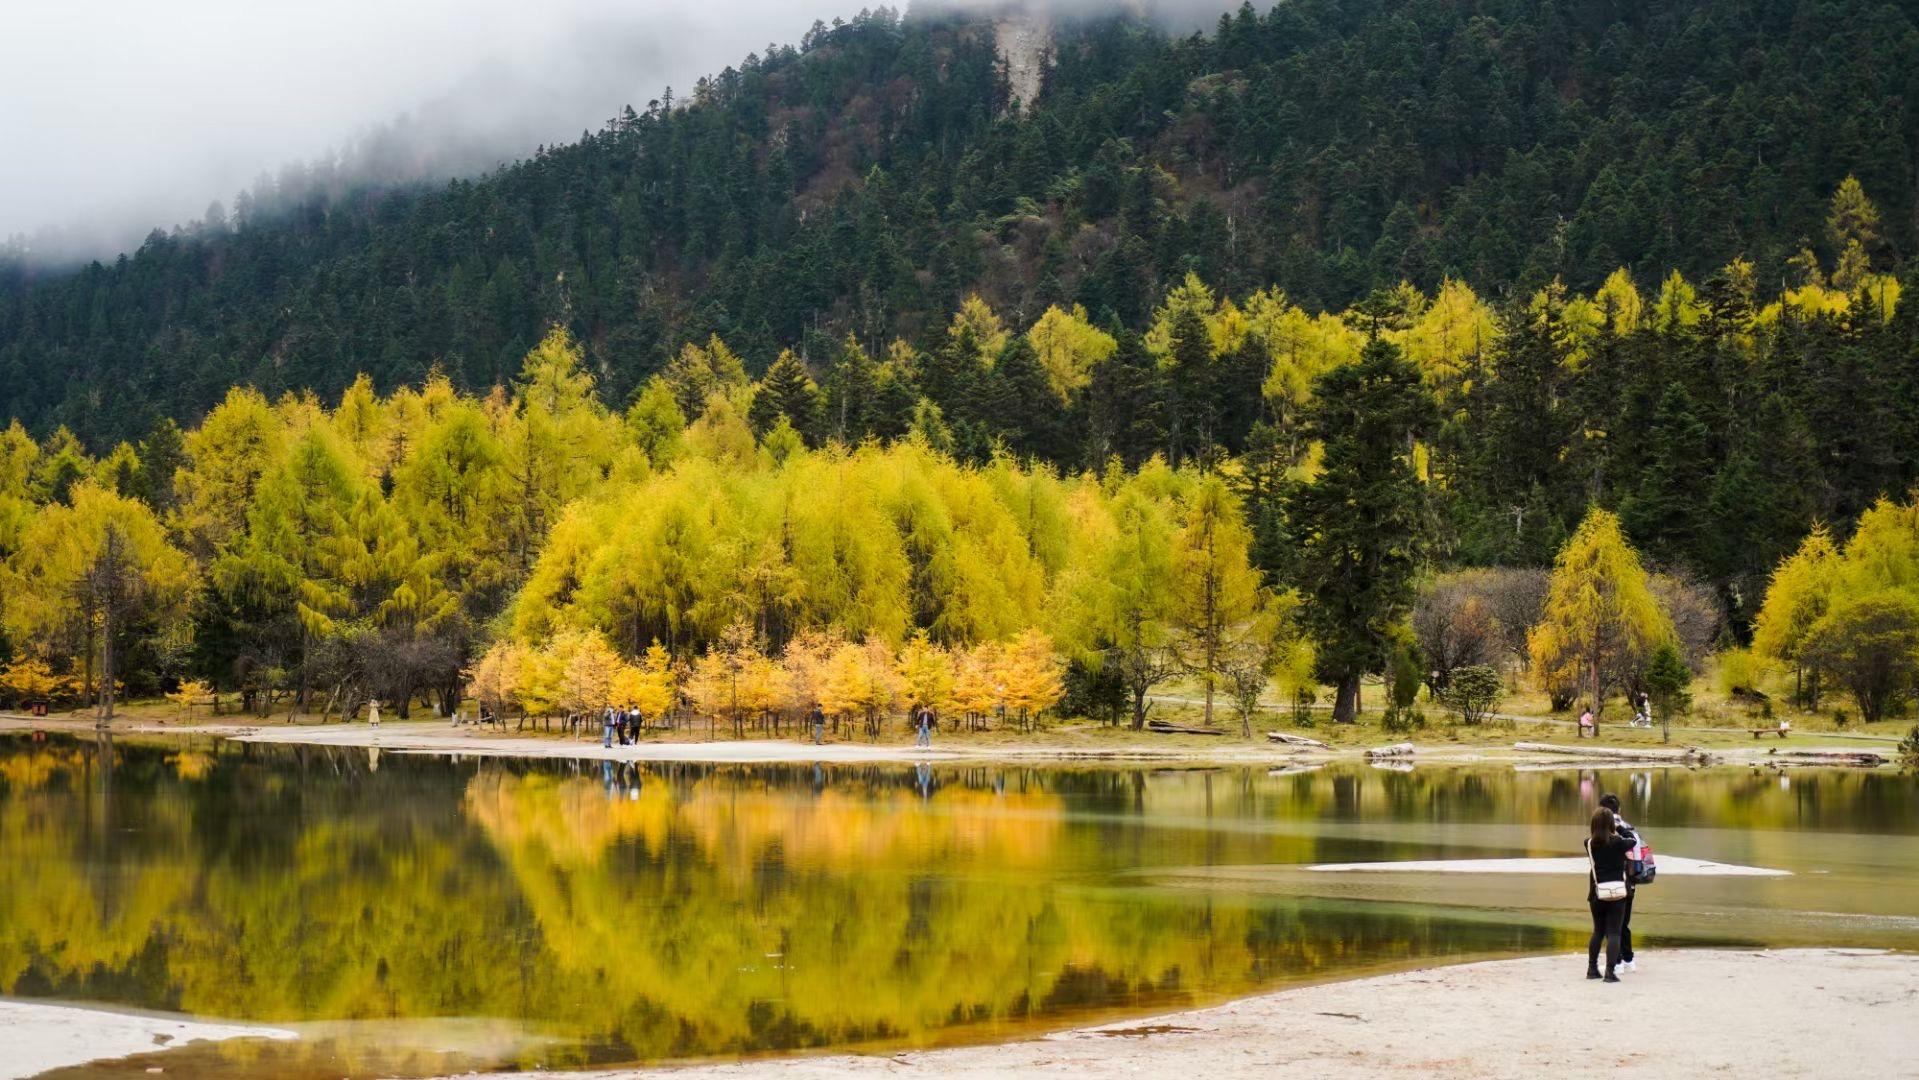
{"x": 1346, "y": 700}
{"x": 106, "y": 668}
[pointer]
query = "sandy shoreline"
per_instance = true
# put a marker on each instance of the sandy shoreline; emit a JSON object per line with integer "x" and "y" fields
{"x": 437, "y": 737}
{"x": 1690, "y": 1012}
{"x": 1798, "y": 1012}
{"x": 36, "y": 1036}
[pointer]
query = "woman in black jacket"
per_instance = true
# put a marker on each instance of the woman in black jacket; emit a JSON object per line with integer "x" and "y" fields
{"x": 1625, "y": 829}
{"x": 1607, "y": 851}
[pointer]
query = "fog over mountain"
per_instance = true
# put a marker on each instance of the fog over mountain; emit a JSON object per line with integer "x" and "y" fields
{"x": 121, "y": 116}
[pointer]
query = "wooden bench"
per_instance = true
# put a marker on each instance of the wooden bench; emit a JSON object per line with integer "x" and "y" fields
{"x": 1762, "y": 732}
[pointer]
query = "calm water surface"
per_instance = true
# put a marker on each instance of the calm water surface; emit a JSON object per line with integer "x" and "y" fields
{"x": 412, "y": 915}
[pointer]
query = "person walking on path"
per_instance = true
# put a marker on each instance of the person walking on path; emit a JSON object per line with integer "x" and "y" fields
{"x": 1605, "y": 891}
{"x": 1588, "y": 724}
{"x": 1631, "y": 835}
{"x": 817, "y": 717}
{"x": 923, "y": 722}
{"x": 606, "y": 728}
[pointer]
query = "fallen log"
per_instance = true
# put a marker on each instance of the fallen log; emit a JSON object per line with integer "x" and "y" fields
{"x": 1826, "y": 757}
{"x": 1296, "y": 740}
{"x": 1396, "y": 750}
{"x": 1616, "y": 753}
{"x": 1164, "y": 728}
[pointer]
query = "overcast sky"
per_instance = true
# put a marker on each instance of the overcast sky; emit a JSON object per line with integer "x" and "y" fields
{"x": 119, "y": 115}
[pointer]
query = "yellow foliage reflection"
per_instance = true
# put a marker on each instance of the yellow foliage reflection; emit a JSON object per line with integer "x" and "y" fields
{"x": 603, "y": 914}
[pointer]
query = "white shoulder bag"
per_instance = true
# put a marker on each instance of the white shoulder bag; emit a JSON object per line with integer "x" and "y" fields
{"x": 1607, "y": 891}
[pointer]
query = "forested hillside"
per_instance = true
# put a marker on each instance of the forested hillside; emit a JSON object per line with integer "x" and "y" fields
{"x": 868, "y": 181}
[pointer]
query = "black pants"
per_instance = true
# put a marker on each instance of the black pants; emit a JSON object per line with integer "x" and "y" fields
{"x": 1625, "y": 927}
{"x": 1608, "y": 917}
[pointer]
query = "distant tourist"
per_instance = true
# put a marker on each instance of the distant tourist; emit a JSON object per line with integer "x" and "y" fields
{"x": 1588, "y": 724}
{"x": 1605, "y": 891}
{"x": 1631, "y": 836}
{"x": 817, "y": 717}
{"x": 606, "y": 728}
{"x": 923, "y": 722}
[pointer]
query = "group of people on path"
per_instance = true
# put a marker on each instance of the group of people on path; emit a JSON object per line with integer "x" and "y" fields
{"x": 1616, "y": 857}
{"x": 621, "y": 724}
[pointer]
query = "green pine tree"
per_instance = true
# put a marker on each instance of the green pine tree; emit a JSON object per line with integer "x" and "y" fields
{"x": 1360, "y": 526}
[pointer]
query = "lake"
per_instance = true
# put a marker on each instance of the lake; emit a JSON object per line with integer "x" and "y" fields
{"x": 413, "y": 915}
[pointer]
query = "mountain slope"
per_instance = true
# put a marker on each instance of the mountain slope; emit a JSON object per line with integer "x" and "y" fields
{"x": 868, "y": 180}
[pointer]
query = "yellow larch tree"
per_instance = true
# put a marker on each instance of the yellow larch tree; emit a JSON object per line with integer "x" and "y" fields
{"x": 978, "y": 687}
{"x": 860, "y": 680}
{"x": 1032, "y": 675}
{"x": 588, "y": 669}
{"x": 1069, "y": 348}
{"x": 649, "y": 684}
{"x": 926, "y": 672}
{"x": 89, "y": 575}
{"x": 1215, "y": 590}
{"x": 1601, "y": 620}
{"x": 1451, "y": 339}
{"x": 1799, "y": 594}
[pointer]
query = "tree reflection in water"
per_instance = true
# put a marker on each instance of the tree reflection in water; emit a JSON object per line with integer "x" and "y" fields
{"x": 623, "y": 913}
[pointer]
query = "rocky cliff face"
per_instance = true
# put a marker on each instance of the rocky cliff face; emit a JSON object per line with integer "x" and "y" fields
{"x": 1024, "y": 33}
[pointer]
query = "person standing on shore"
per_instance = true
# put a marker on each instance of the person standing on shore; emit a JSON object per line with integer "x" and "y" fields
{"x": 817, "y": 717}
{"x": 923, "y": 723}
{"x": 1624, "y": 828}
{"x": 1605, "y": 891}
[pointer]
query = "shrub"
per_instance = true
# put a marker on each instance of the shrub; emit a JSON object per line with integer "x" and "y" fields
{"x": 1303, "y": 699}
{"x": 1739, "y": 671}
{"x": 1472, "y": 691}
{"x": 1909, "y": 750}
{"x": 1666, "y": 678}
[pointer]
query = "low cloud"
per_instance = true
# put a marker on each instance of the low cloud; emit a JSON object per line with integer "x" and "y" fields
{"x": 122, "y": 116}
